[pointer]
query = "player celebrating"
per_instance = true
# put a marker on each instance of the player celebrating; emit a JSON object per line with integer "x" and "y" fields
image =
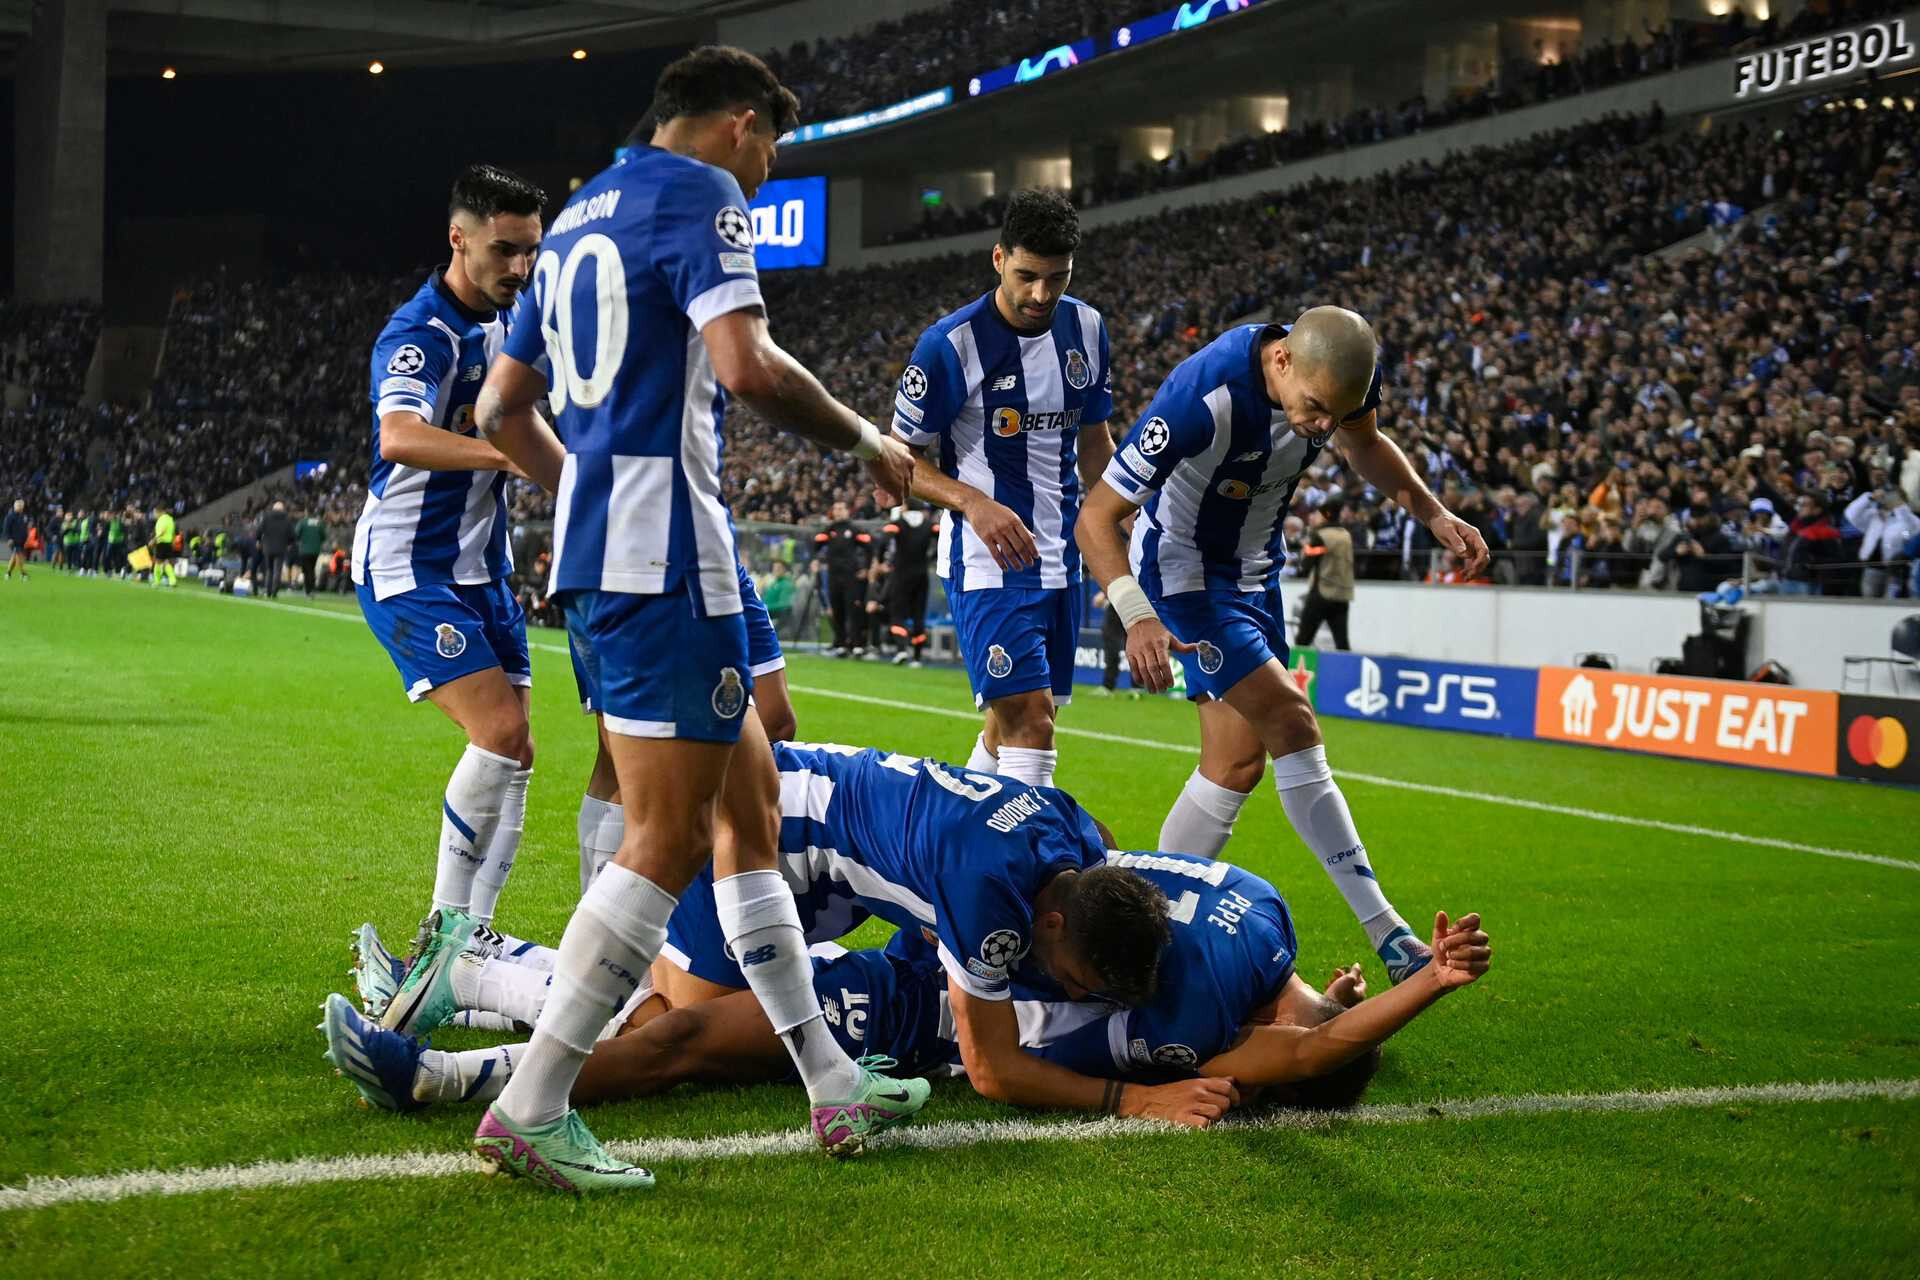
{"x": 430, "y": 555}
{"x": 645, "y": 316}
{"x": 1215, "y": 461}
{"x": 1005, "y": 386}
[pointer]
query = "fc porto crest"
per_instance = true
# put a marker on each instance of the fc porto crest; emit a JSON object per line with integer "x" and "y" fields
{"x": 730, "y": 695}
{"x": 449, "y": 641}
{"x": 1211, "y": 659}
{"x": 999, "y": 665}
{"x": 1078, "y": 375}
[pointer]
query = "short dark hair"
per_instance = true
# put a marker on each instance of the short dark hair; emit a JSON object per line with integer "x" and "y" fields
{"x": 484, "y": 190}
{"x": 716, "y": 77}
{"x": 1043, "y": 222}
{"x": 1339, "y": 1089}
{"x": 1117, "y": 921}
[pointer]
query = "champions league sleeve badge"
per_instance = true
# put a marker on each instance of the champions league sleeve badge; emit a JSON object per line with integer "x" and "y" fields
{"x": 730, "y": 695}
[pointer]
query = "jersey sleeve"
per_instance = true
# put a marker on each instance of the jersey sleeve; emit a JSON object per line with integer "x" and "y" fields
{"x": 1098, "y": 406}
{"x": 1176, "y": 427}
{"x": 933, "y": 389}
{"x": 985, "y": 927}
{"x": 410, "y": 361}
{"x": 525, "y": 342}
{"x": 1371, "y": 403}
{"x": 703, "y": 245}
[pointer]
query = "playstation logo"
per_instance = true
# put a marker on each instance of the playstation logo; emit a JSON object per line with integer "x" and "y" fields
{"x": 1367, "y": 699}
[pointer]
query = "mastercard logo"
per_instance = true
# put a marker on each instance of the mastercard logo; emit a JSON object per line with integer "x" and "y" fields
{"x": 1880, "y": 740}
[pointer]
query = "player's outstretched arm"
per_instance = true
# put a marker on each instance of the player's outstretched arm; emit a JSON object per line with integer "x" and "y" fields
{"x": 752, "y": 366}
{"x": 412, "y": 441}
{"x": 506, "y": 416}
{"x": 1281, "y": 1053}
{"x": 1379, "y": 462}
{"x": 1000, "y": 1069}
{"x": 1104, "y": 548}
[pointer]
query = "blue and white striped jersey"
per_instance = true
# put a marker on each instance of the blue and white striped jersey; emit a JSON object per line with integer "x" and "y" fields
{"x": 643, "y": 256}
{"x": 929, "y": 847}
{"x": 1005, "y": 408}
{"x": 1215, "y": 465}
{"x": 421, "y": 527}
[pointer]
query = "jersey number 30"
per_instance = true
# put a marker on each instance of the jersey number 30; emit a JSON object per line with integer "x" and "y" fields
{"x": 553, "y": 284}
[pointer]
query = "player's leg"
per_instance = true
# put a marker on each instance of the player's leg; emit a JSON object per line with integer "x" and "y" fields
{"x": 1232, "y": 758}
{"x": 602, "y": 823}
{"x": 773, "y": 705}
{"x": 1006, "y": 636}
{"x": 492, "y": 713}
{"x": 727, "y": 1040}
{"x": 504, "y": 627}
{"x": 1273, "y": 703}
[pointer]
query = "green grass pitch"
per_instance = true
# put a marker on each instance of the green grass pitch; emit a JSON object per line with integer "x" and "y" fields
{"x": 201, "y": 797}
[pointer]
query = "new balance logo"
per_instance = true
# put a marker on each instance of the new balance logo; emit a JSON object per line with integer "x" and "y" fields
{"x": 1251, "y": 455}
{"x": 759, "y": 955}
{"x": 1007, "y": 383}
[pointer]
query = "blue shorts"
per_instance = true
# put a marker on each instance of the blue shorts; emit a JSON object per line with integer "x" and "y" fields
{"x": 653, "y": 668}
{"x": 1237, "y": 632}
{"x": 1018, "y": 639}
{"x": 764, "y": 654}
{"x": 437, "y": 633}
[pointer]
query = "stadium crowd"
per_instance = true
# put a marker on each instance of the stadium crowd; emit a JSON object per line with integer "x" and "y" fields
{"x": 1605, "y": 417}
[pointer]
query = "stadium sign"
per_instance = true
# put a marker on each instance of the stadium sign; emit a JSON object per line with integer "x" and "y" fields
{"x": 1059, "y": 58}
{"x": 1728, "y": 721}
{"x": 1193, "y": 14}
{"x": 1878, "y": 44}
{"x": 873, "y": 119}
{"x": 790, "y": 223}
{"x": 1878, "y": 739}
{"x": 1431, "y": 695}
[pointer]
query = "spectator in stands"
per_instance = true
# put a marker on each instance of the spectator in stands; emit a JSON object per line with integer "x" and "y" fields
{"x": 1813, "y": 548}
{"x": 1703, "y": 556}
{"x": 1886, "y": 523}
{"x": 776, "y": 592}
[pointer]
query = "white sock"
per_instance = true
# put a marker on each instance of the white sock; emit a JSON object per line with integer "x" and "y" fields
{"x": 501, "y": 987}
{"x": 762, "y": 928}
{"x": 468, "y": 814}
{"x": 601, "y": 827}
{"x": 1201, "y": 818}
{"x": 1029, "y": 765}
{"x": 1319, "y": 815}
{"x": 477, "y": 1075}
{"x": 615, "y": 933}
{"x": 983, "y": 760}
{"x": 528, "y": 955}
{"x": 484, "y": 1020}
{"x": 490, "y": 877}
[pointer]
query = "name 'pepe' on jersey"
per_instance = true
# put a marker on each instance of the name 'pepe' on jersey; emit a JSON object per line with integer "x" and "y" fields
{"x": 927, "y": 847}
{"x": 643, "y": 256}
{"x": 1215, "y": 465}
{"x": 420, "y": 527}
{"x": 1005, "y": 407}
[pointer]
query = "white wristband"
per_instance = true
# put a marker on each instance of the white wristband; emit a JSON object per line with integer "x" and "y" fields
{"x": 1129, "y": 601}
{"x": 867, "y": 447}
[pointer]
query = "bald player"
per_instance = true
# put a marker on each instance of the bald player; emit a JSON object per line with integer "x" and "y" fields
{"x": 1212, "y": 468}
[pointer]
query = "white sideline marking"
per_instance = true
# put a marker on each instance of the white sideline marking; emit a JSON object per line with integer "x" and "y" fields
{"x": 45, "y": 1193}
{"x": 1374, "y": 779}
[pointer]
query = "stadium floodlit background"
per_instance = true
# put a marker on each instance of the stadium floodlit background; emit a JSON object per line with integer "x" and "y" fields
{"x": 1647, "y": 279}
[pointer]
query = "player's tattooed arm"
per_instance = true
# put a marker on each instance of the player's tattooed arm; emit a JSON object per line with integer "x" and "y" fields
{"x": 513, "y": 428}
{"x": 989, "y": 1036}
{"x": 1380, "y": 462}
{"x": 1280, "y": 1053}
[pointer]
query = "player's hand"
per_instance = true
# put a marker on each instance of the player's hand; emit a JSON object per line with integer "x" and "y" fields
{"x": 1461, "y": 538}
{"x": 1191, "y": 1104}
{"x": 1348, "y": 987}
{"x": 1148, "y": 642}
{"x": 1008, "y": 539}
{"x": 891, "y": 471}
{"x": 1461, "y": 950}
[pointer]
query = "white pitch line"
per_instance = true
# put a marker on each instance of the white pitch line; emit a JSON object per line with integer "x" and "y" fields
{"x": 1374, "y": 779}
{"x": 46, "y": 1193}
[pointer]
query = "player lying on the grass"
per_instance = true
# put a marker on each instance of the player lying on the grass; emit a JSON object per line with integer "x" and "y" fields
{"x": 1211, "y": 467}
{"x": 1213, "y": 1012}
{"x": 973, "y": 859}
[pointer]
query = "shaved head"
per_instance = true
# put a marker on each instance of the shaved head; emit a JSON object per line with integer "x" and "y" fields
{"x": 1335, "y": 349}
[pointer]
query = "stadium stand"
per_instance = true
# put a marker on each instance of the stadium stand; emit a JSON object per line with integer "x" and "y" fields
{"x": 1531, "y": 374}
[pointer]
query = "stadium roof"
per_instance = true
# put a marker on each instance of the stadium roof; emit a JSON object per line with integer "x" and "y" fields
{"x": 236, "y": 35}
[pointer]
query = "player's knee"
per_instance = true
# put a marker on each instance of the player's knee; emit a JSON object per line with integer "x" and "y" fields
{"x": 1242, "y": 774}
{"x": 779, "y": 721}
{"x": 1026, "y": 720}
{"x": 1295, "y": 727}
